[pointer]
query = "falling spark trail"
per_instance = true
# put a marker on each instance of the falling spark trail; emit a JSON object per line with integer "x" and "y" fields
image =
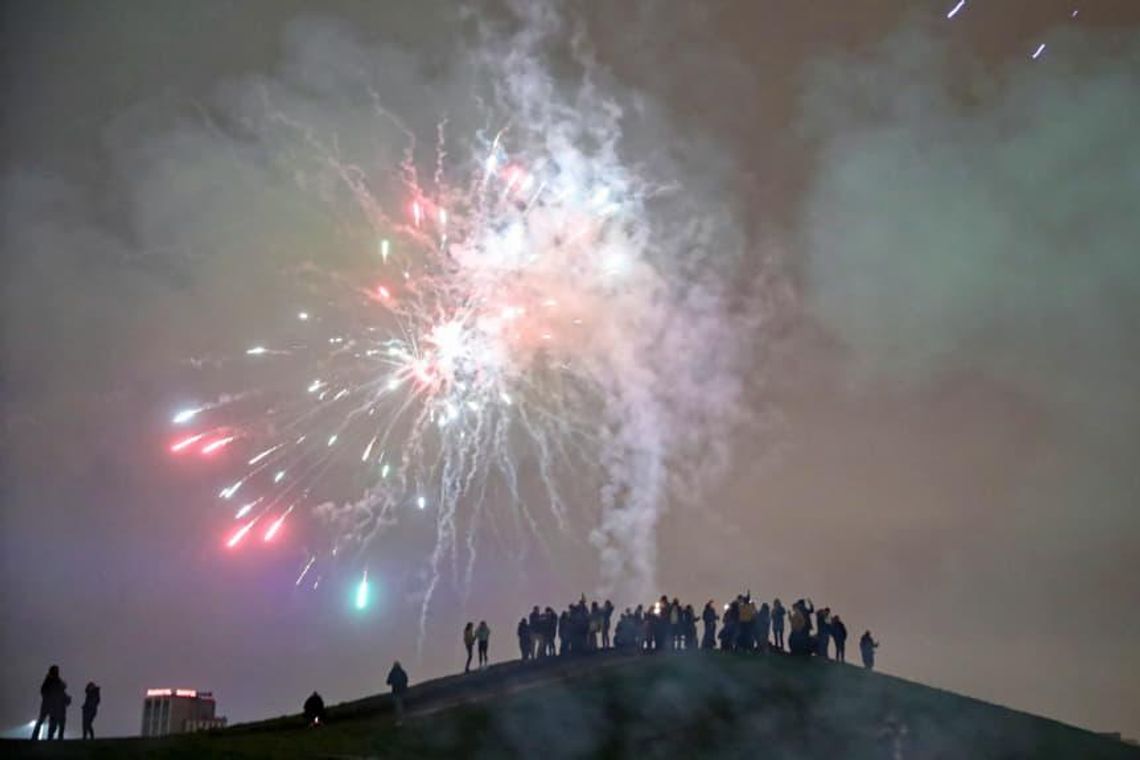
{"x": 240, "y": 534}
{"x": 229, "y": 491}
{"x": 305, "y": 570}
{"x": 185, "y": 416}
{"x": 368, "y": 450}
{"x": 954, "y": 11}
{"x": 276, "y": 526}
{"x": 1037, "y": 53}
{"x": 187, "y": 442}
{"x": 263, "y": 454}
{"x": 245, "y": 508}
{"x": 213, "y": 446}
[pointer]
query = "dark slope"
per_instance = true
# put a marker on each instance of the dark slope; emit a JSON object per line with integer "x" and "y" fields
{"x": 695, "y": 705}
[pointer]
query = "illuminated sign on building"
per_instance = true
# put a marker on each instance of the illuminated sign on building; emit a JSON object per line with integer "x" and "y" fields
{"x": 173, "y": 711}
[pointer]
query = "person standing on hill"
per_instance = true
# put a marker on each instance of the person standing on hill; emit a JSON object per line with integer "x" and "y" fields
{"x": 90, "y": 708}
{"x": 763, "y": 622}
{"x": 549, "y": 631}
{"x": 524, "y": 635}
{"x": 483, "y": 636}
{"x": 823, "y": 625}
{"x": 839, "y": 635}
{"x": 867, "y": 647}
{"x": 709, "y": 618}
{"x": 746, "y": 626}
{"x": 536, "y": 632}
{"x": 805, "y": 609}
{"x": 778, "y": 613}
{"x": 398, "y": 680}
{"x": 468, "y": 643}
{"x": 607, "y": 617}
{"x": 53, "y": 704}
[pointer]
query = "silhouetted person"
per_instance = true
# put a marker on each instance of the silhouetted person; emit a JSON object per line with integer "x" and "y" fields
{"x": 607, "y": 615}
{"x": 778, "y": 613}
{"x": 709, "y": 618}
{"x": 839, "y": 636}
{"x": 867, "y": 647}
{"x": 804, "y": 609}
{"x": 689, "y": 618}
{"x": 398, "y": 680}
{"x": 800, "y": 642}
{"x": 730, "y": 625}
{"x": 675, "y": 628}
{"x": 746, "y": 621}
{"x": 523, "y": 632}
{"x": 549, "y": 631}
{"x": 823, "y": 626}
{"x": 53, "y": 704}
{"x": 534, "y": 625}
{"x": 763, "y": 623}
{"x": 315, "y": 709}
{"x": 90, "y": 708}
{"x": 469, "y": 644}
{"x": 483, "y": 636}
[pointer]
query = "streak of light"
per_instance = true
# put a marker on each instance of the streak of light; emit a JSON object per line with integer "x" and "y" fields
{"x": 263, "y": 454}
{"x": 240, "y": 533}
{"x": 186, "y": 442}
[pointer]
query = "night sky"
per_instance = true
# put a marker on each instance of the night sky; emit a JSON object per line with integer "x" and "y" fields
{"x": 927, "y": 244}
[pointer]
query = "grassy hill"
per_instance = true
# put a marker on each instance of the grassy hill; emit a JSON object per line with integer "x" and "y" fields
{"x": 684, "y": 705}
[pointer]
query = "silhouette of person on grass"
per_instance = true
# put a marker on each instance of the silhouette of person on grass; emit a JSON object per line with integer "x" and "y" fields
{"x": 867, "y": 647}
{"x": 53, "y": 704}
{"x": 483, "y": 636}
{"x": 709, "y": 618}
{"x": 746, "y": 620}
{"x": 607, "y": 617}
{"x": 90, "y": 708}
{"x": 778, "y": 613}
{"x": 534, "y": 625}
{"x": 524, "y": 640}
{"x": 823, "y": 625}
{"x": 315, "y": 709}
{"x": 839, "y": 636}
{"x": 469, "y": 643}
{"x": 398, "y": 680}
{"x": 763, "y": 623}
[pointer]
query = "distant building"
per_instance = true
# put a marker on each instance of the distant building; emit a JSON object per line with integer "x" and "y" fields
{"x": 178, "y": 711}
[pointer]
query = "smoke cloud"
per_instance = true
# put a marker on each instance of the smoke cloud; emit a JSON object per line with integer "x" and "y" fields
{"x": 971, "y": 222}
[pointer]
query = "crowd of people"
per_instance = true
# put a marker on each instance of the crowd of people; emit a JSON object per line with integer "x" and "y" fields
{"x": 741, "y": 625}
{"x": 54, "y": 701}
{"x": 667, "y": 625}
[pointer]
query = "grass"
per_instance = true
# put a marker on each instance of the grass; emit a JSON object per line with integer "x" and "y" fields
{"x": 614, "y": 706}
